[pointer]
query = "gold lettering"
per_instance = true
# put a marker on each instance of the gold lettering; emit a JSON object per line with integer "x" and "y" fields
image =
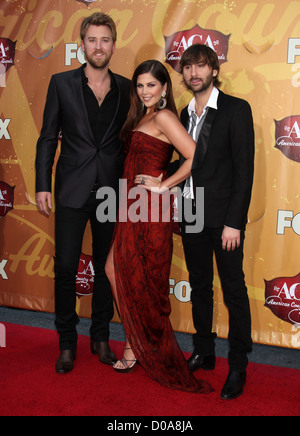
{"x": 122, "y": 20}
{"x": 8, "y": 24}
{"x": 32, "y": 31}
{"x": 32, "y": 5}
{"x": 30, "y": 253}
{"x": 23, "y": 130}
{"x": 255, "y": 24}
{"x": 72, "y": 24}
{"x": 56, "y": 18}
{"x": 160, "y": 12}
{"x": 23, "y": 32}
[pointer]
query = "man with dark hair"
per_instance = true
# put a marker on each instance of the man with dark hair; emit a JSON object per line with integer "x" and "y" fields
{"x": 89, "y": 105}
{"x": 223, "y": 165}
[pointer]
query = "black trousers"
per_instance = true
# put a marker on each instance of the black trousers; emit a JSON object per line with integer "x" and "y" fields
{"x": 199, "y": 249}
{"x": 70, "y": 226}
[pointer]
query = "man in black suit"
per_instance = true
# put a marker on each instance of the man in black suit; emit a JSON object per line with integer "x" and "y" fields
{"x": 89, "y": 105}
{"x": 222, "y": 127}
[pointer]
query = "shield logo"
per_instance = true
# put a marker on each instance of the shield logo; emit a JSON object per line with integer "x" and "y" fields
{"x": 7, "y": 53}
{"x": 282, "y": 296}
{"x": 177, "y": 43}
{"x": 85, "y": 276}
{"x": 6, "y": 198}
{"x": 287, "y": 134}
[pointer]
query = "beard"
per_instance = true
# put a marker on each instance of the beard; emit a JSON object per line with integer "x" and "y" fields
{"x": 98, "y": 63}
{"x": 200, "y": 87}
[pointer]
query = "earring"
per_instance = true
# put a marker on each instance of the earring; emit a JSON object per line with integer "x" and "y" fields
{"x": 162, "y": 102}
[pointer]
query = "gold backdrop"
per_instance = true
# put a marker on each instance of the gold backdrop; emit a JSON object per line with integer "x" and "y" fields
{"x": 258, "y": 43}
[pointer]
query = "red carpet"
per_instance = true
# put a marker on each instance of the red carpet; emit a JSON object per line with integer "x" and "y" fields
{"x": 29, "y": 385}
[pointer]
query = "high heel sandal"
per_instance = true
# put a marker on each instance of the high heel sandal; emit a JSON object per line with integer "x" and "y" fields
{"x": 127, "y": 368}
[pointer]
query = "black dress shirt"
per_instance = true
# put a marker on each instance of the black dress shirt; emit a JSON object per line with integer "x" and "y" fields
{"x": 100, "y": 117}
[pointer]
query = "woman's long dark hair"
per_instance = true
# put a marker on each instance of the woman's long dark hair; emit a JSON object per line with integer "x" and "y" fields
{"x": 136, "y": 111}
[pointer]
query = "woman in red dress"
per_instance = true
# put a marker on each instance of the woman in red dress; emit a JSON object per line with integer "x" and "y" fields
{"x": 138, "y": 265}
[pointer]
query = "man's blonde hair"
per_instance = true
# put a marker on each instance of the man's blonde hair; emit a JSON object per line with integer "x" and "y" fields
{"x": 98, "y": 19}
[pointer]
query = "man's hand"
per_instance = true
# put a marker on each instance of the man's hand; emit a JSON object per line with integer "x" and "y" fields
{"x": 231, "y": 238}
{"x": 44, "y": 202}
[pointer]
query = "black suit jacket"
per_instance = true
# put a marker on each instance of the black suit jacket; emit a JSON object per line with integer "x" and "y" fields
{"x": 81, "y": 160}
{"x": 224, "y": 162}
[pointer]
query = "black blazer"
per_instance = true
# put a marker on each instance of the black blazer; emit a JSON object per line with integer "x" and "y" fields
{"x": 81, "y": 160}
{"x": 224, "y": 162}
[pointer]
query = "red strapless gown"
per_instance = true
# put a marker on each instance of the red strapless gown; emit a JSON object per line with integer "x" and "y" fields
{"x": 142, "y": 260}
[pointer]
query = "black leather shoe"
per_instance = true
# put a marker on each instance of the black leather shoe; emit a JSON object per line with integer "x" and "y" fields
{"x": 65, "y": 361}
{"x": 234, "y": 385}
{"x": 196, "y": 361}
{"x": 104, "y": 352}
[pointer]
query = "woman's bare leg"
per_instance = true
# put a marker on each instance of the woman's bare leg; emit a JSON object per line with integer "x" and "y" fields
{"x": 110, "y": 272}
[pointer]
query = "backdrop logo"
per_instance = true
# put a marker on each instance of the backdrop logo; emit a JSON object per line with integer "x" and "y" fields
{"x": 6, "y": 198}
{"x": 7, "y": 53}
{"x": 4, "y": 128}
{"x": 287, "y": 134}
{"x": 2, "y": 269}
{"x": 85, "y": 276}
{"x": 288, "y": 219}
{"x": 74, "y": 52}
{"x": 283, "y": 298}
{"x": 177, "y": 43}
{"x": 293, "y": 50}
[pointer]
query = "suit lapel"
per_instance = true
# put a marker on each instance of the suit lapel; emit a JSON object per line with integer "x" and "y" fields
{"x": 78, "y": 91}
{"x": 184, "y": 118}
{"x": 116, "y": 109}
{"x": 79, "y": 98}
{"x": 202, "y": 144}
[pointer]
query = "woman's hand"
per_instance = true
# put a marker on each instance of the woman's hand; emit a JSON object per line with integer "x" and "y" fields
{"x": 150, "y": 183}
